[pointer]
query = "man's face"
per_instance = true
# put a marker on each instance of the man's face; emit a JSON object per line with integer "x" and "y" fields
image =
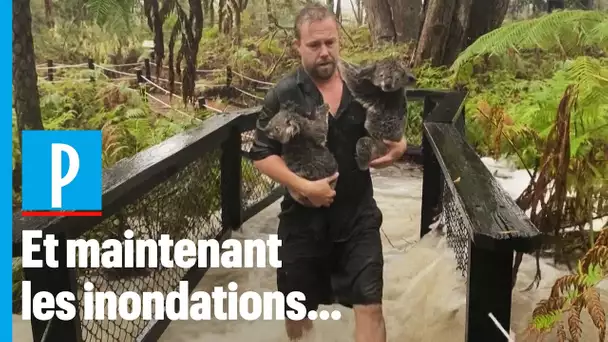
{"x": 319, "y": 47}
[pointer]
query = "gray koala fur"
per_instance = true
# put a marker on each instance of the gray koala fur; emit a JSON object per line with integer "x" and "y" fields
{"x": 380, "y": 88}
{"x": 303, "y": 139}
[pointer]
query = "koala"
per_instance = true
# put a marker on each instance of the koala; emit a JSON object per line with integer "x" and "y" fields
{"x": 303, "y": 139}
{"x": 380, "y": 88}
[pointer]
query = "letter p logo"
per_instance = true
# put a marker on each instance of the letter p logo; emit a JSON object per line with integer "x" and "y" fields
{"x": 61, "y": 173}
{"x": 57, "y": 180}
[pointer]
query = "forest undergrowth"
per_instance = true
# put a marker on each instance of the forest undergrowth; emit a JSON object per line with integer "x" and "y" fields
{"x": 538, "y": 96}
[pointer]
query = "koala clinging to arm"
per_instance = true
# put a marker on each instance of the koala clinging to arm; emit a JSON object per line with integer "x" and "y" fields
{"x": 303, "y": 138}
{"x": 380, "y": 88}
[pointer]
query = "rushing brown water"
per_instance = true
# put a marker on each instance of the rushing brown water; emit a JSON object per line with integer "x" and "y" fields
{"x": 424, "y": 296}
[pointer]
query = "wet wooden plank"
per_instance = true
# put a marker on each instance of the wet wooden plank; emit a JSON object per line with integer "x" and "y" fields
{"x": 496, "y": 222}
{"x": 448, "y": 108}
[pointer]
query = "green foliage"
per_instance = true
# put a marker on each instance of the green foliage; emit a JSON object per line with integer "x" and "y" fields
{"x": 568, "y": 32}
{"x": 72, "y": 43}
{"x": 571, "y": 294}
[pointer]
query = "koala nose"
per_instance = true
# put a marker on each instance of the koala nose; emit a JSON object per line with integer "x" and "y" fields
{"x": 411, "y": 79}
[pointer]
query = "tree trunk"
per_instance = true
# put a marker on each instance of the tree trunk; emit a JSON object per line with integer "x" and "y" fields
{"x": 441, "y": 43}
{"x": 25, "y": 80}
{"x": 237, "y": 25}
{"x": 238, "y": 7}
{"x": 339, "y": 10}
{"x": 357, "y": 11}
{"x": 269, "y": 15}
{"x": 587, "y": 4}
{"x": 435, "y": 32}
{"x": 221, "y": 15}
{"x": 405, "y": 19}
{"x": 212, "y": 14}
{"x": 393, "y": 20}
{"x": 555, "y": 4}
{"x": 228, "y": 19}
{"x": 458, "y": 28}
{"x": 487, "y": 15}
{"x": 379, "y": 18}
{"x": 421, "y": 18}
{"x": 208, "y": 11}
{"x": 48, "y": 12}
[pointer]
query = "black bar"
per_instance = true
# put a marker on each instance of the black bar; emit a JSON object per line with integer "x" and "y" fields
{"x": 489, "y": 291}
{"x": 50, "y": 70}
{"x": 54, "y": 280}
{"x": 92, "y": 67}
{"x": 431, "y": 179}
{"x": 231, "y": 180}
{"x": 147, "y": 68}
{"x": 228, "y": 76}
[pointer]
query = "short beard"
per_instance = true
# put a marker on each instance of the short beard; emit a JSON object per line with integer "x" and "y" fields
{"x": 321, "y": 75}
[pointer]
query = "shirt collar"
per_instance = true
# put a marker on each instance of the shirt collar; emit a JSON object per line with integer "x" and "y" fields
{"x": 305, "y": 81}
{"x": 308, "y": 86}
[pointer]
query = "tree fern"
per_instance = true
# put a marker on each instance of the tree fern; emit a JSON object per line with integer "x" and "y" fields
{"x": 536, "y": 112}
{"x": 592, "y": 80}
{"x": 566, "y": 31}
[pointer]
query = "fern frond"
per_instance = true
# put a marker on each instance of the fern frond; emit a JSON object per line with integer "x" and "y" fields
{"x": 592, "y": 78}
{"x": 574, "y": 321}
{"x": 565, "y": 30}
{"x": 596, "y": 311}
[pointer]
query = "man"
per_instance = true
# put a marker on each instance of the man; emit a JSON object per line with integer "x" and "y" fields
{"x": 333, "y": 252}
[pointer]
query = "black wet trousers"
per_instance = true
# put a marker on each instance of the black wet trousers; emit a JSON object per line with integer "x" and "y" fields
{"x": 348, "y": 272}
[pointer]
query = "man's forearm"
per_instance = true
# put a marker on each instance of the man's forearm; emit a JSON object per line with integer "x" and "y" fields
{"x": 275, "y": 168}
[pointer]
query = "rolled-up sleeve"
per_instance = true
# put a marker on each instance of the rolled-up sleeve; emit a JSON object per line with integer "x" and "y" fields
{"x": 263, "y": 146}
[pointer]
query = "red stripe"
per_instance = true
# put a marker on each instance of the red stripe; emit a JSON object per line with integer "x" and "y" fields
{"x": 61, "y": 213}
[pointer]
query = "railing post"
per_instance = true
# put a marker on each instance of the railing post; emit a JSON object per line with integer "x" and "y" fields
{"x": 431, "y": 178}
{"x": 228, "y": 76}
{"x": 489, "y": 291}
{"x": 50, "y": 70}
{"x": 148, "y": 69}
{"x": 54, "y": 281}
{"x": 231, "y": 180}
{"x": 91, "y": 65}
{"x": 138, "y": 74}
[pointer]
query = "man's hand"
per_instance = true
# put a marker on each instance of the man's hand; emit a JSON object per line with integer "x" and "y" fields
{"x": 320, "y": 193}
{"x": 396, "y": 149}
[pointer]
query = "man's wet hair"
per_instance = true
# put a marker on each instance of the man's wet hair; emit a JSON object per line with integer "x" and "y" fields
{"x": 310, "y": 13}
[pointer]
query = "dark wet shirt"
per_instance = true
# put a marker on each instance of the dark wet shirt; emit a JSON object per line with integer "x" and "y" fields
{"x": 354, "y": 189}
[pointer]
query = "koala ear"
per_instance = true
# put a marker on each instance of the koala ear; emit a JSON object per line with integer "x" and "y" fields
{"x": 367, "y": 70}
{"x": 259, "y": 126}
{"x": 292, "y": 129}
{"x": 323, "y": 109}
{"x": 405, "y": 65}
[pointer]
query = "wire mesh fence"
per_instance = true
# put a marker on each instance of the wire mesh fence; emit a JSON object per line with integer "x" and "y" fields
{"x": 456, "y": 229}
{"x": 255, "y": 186}
{"x": 185, "y": 206}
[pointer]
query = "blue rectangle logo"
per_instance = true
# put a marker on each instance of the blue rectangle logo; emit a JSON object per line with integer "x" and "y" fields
{"x": 62, "y": 173}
